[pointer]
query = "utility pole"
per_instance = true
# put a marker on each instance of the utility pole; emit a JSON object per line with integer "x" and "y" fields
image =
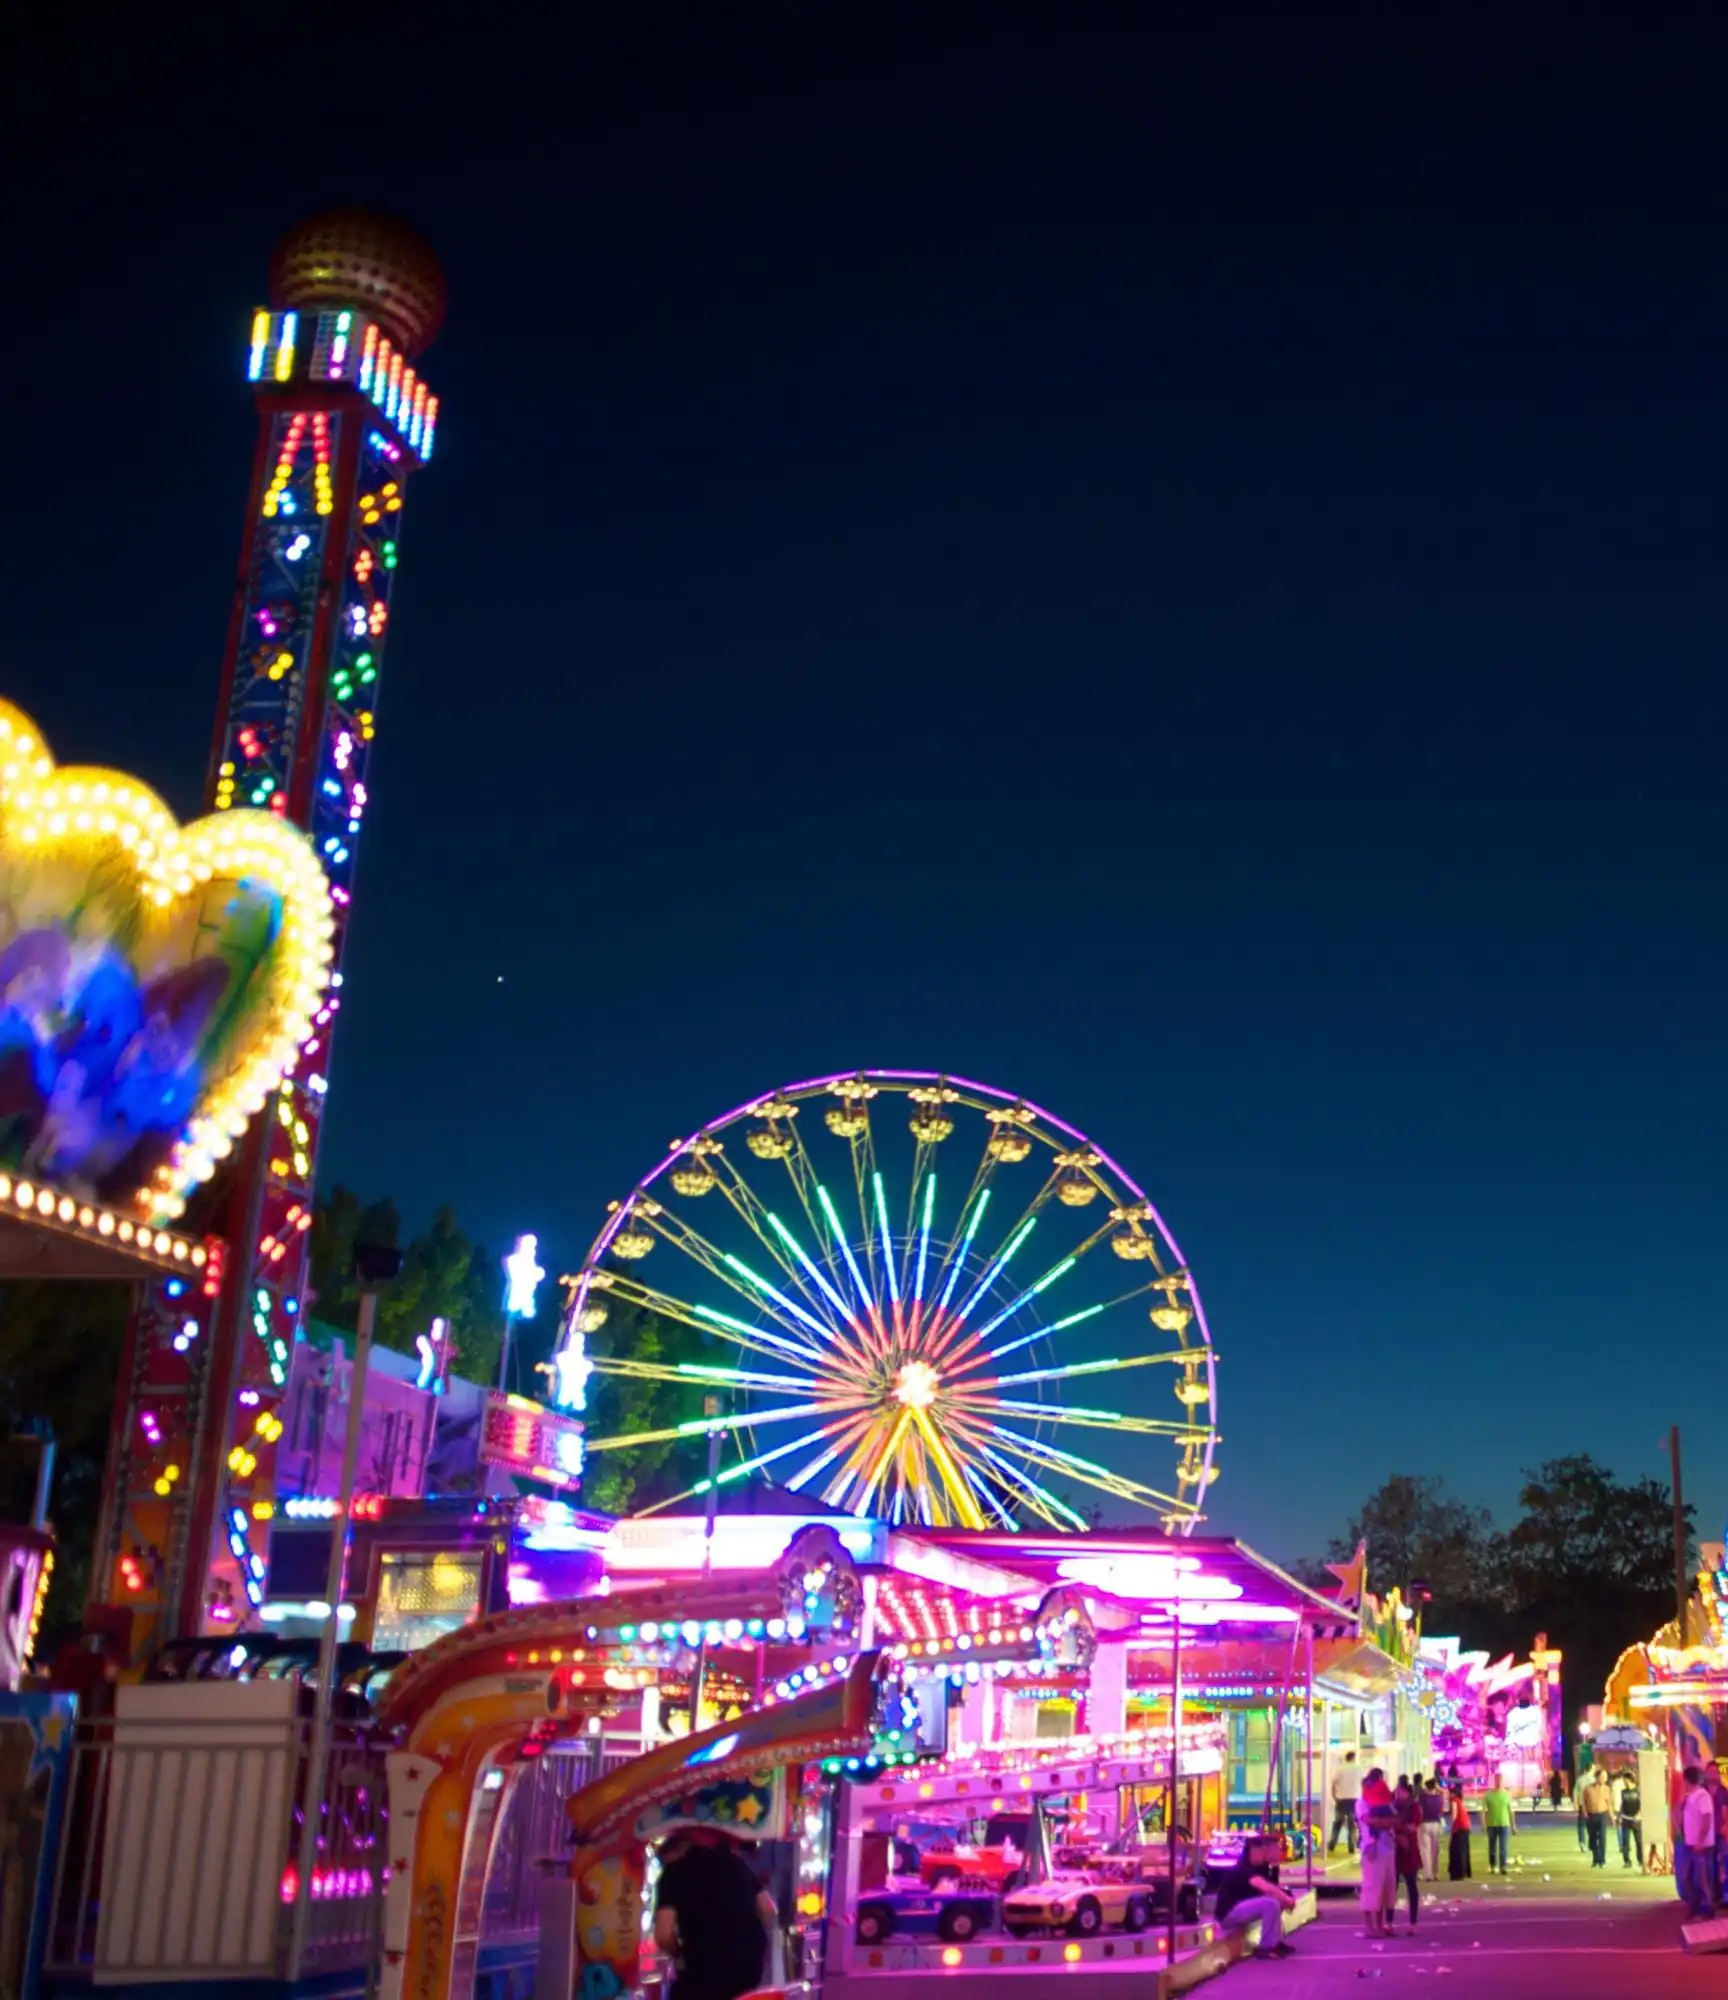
{"x": 1682, "y": 1584}
{"x": 698, "y": 1680}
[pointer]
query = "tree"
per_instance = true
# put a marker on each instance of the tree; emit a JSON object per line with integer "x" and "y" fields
{"x": 1418, "y": 1531}
{"x": 617, "y": 1482}
{"x": 444, "y": 1276}
{"x": 1591, "y": 1562}
{"x": 60, "y": 1348}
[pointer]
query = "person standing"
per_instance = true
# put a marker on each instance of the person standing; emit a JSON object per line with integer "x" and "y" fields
{"x": 1346, "y": 1794}
{"x": 1719, "y": 1798}
{"x": 1407, "y": 1846}
{"x": 1556, "y": 1790}
{"x": 713, "y": 1917}
{"x": 1631, "y": 1823}
{"x": 1433, "y": 1816}
{"x": 1497, "y": 1821}
{"x": 1696, "y": 1863}
{"x": 1377, "y": 1821}
{"x": 1458, "y": 1856}
{"x": 1597, "y": 1802}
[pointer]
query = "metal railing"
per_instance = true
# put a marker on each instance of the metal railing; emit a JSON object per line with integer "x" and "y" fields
{"x": 179, "y": 1852}
{"x": 536, "y": 1827}
{"x": 177, "y": 1855}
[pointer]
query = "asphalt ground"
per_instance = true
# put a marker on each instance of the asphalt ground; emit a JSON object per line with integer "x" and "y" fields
{"x": 1553, "y": 1929}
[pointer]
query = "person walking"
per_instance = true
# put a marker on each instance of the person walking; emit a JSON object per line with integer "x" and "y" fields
{"x": 1433, "y": 1805}
{"x": 1377, "y": 1821}
{"x": 1597, "y": 1802}
{"x": 1631, "y": 1824}
{"x": 1497, "y": 1821}
{"x": 1556, "y": 1789}
{"x": 1407, "y": 1846}
{"x": 1696, "y": 1863}
{"x": 1458, "y": 1857}
{"x": 1346, "y": 1795}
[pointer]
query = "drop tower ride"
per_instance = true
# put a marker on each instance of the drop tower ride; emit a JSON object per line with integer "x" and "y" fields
{"x": 344, "y": 420}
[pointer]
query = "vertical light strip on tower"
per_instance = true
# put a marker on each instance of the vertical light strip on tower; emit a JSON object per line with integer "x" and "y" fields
{"x": 344, "y": 418}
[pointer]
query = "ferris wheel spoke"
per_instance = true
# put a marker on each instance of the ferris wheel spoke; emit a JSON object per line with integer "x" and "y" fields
{"x": 957, "y": 1348}
{"x": 992, "y": 1272}
{"x": 691, "y": 1373}
{"x": 922, "y": 1227}
{"x": 1134, "y": 1292}
{"x": 955, "y": 1263}
{"x": 837, "y": 1237}
{"x": 734, "y": 1273}
{"x": 773, "y": 1236}
{"x": 706, "y": 1426}
{"x": 863, "y": 1150}
{"x": 843, "y": 1441}
{"x": 1086, "y": 1470}
{"x": 706, "y": 1319}
{"x": 732, "y": 1473}
{"x": 850, "y": 1331}
{"x": 871, "y": 1462}
{"x": 960, "y": 1494}
{"x": 1105, "y": 1420}
{"x": 1057, "y": 1512}
{"x": 802, "y": 1170}
{"x": 1070, "y": 1369}
{"x": 879, "y": 1198}
{"x": 964, "y": 1366}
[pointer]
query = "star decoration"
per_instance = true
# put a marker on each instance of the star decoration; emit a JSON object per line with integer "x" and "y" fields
{"x": 1352, "y": 1578}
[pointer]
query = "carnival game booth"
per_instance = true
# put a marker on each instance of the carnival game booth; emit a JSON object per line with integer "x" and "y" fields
{"x": 1496, "y": 1719}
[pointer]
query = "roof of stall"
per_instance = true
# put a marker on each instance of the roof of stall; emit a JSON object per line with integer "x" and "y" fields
{"x": 1206, "y": 1585}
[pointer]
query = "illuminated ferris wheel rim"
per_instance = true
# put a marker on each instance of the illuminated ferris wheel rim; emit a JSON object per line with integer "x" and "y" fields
{"x": 980, "y": 1096}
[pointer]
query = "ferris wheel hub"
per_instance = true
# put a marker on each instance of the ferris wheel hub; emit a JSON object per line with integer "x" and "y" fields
{"x": 917, "y": 1385}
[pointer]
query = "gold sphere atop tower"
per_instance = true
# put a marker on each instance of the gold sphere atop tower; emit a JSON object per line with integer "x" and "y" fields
{"x": 359, "y": 257}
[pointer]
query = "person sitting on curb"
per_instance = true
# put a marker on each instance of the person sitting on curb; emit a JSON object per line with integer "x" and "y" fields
{"x": 1249, "y": 1893}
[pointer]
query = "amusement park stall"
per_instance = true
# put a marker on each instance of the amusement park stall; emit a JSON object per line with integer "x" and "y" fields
{"x": 876, "y": 1728}
{"x": 1666, "y": 1702}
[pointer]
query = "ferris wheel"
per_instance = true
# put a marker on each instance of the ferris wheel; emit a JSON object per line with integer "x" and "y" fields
{"x": 903, "y": 1278}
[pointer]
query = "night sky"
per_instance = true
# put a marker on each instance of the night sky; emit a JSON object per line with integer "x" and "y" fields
{"x": 1178, "y": 571}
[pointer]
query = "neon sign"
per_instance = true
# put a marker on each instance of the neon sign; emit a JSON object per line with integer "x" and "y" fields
{"x": 522, "y": 1275}
{"x": 528, "y": 1439}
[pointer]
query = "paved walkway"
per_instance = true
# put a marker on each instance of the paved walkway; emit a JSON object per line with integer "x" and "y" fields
{"x": 1554, "y": 1929}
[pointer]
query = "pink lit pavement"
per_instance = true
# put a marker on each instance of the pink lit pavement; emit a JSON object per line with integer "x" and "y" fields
{"x": 1546, "y": 1933}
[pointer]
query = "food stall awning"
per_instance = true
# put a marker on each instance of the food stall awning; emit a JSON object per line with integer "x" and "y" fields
{"x": 1354, "y": 1671}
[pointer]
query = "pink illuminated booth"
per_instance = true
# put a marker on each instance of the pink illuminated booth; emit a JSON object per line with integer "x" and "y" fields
{"x": 1496, "y": 1719}
{"x": 1045, "y": 1761}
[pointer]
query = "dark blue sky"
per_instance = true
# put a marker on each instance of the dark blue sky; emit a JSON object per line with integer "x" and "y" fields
{"x": 1176, "y": 570}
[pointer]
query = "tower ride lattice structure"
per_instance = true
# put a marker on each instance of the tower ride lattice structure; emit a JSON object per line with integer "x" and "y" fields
{"x": 344, "y": 419}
